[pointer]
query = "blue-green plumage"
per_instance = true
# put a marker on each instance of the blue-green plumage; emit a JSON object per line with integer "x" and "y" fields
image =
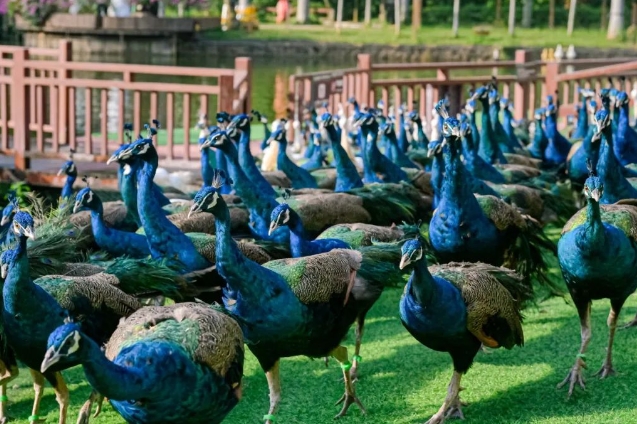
{"x": 299, "y": 177}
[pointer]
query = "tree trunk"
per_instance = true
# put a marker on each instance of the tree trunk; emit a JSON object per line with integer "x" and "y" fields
{"x": 616, "y": 22}
{"x": 456, "y": 17}
{"x": 397, "y": 4}
{"x": 303, "y": 11}
{"x": 551, "y": 14}
{"x": 339, "y": 15}
{"x": 527, "y": 14}
{"x": 604, "y": 20}
{"x": 571, "y": 17}
{"x": 511, "y": 17}
{"x": 416, "y": 17}
{"x": 368, "y": 12}
{"x": 355, "y": 12}
{"x": 498, "y": 11}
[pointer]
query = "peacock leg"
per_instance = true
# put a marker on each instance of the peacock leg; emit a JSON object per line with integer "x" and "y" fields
{"x": 575, "y": 375}
{"x": 38, "y": 388}
{"x": 8, "y": 374}
{"x": 85, "y": 412}
{"x": 3, "y": 404}
{"x": 360, "y": 325}
{"x": 613, "y": 315}
{"x": 62, "y": 396}
{"x": 274, "y": 384}
{"x": 349, "y": 397}
{"x": 451, "y": 405}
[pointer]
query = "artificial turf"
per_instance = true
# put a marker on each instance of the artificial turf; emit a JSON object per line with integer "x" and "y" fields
{"x": 403, "y": 382}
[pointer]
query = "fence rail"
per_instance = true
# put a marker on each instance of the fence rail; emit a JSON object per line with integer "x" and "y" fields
{"x": 523, "y": 81}
{"x": 48, "y": 103}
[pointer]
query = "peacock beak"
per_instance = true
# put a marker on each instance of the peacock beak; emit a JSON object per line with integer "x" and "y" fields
{"x": 596, "y": 194}
{"x": 77, "y": 207}
{"x": 5, "y": 220}
{"x": 4, "y": 270}
{"x": 112, "y": 159}
{"x": 195, "y": 208}
{"x": 29, "y": 233}
{"x": 61, "y": 171}
{"x": 50, "y": 358}
{"x": 404, "y": 261}
{"x": 205, "y": 144}
{"x": 455, "y": 131}
{"x": 273, "y": 227}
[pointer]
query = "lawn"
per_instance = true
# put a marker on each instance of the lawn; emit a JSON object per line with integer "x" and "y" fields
{"x": 498, "y": 36}
{"x": 404, "y": 383}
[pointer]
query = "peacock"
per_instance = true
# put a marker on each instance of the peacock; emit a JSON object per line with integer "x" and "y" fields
{"x": 70, "y": 170}
{"x": 472, "y": 228}
{"x": 625, "y": 146}
{"x": 420, "y": 140}
{"x": 288, "y": 307}
{"x": 300, "y": 178}
{"x": 6, "y": 236}
{"x": 457, "y": 307}
{"x": 508, "y": 124}
{"x": 489, "y": 148}
{"x": 171, "y": 364}
{"x": 598, "y": 258}
{"x": 582, "y": 110}
{"x": 540, "y": 141}
{"x": 398, "y": 156}
{"x": 558, "y": 146}
{"x": 504, "y": 141}
{"x": 31, "y": 311}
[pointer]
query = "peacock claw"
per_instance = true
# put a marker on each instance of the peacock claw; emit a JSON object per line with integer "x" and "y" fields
{"x": 631, "y": 324}
{"x": 347, "y": 400}
{"x": 453, "y": 411}
{"x": 574, "y": 377}
{"x": 486, "y": 350}
{"x": 605, "y": 371}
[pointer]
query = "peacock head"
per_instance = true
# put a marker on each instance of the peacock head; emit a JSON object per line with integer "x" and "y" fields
{"x": 586, "y": 93}
{"x": 279, "y": 136}
{"x": 450, "y": 130}
{"x": 64, "y": 347}
{"x": 539, "y": 113}
{"x": 327, "y": 120}
{"x": 141, "y": 148}
{"x": 550, "y": 110}
{"x": 7, "y": 259}
{"x": 434, "y": 148}
{"x": 208, "y": 198}
{"x": 260, "y": 117}
{"x": 470, "y": 106}
{"x": 9, "y": 211}
{"x": 465, "y": 129}
{"x": 481, "y": 93}
{"x": 240, "y": 122}
{"x": 69, "y": 169}
{"x": 386, "y": 128}
{"x": 223, "y": 118}
{"x": 364, "y": 119}
{"x": 412, "y": 251}
{"x": 279, "y": 217}
{"x": 602, "y": 122}
{"x": 23, "y": 225}
{"x": 494, "y": 98}
{"x": 414, "y": 117}
{"x": 505, "y": 103}
{"x": 85, "y": 199}
{"x": 592, "y": 107}
{"x": 216, "y": 139}
{"x": 594, "y": 188}
{"x": 621, "y": 99}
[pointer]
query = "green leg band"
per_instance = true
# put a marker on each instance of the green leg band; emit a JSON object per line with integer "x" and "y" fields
{"x": 346, "y": 366}
{"x": 581, "y": 355}
{"x": 267, "y": 417}
{"x": 34, "y": 417}
{"x": 357, "y": 358}
{"x": 4, "y": 398}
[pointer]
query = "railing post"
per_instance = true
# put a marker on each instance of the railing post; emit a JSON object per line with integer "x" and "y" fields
{"x": 365, "y": 65}
{"x": 550, "y": 78}
{"x": 245, "y": 64}
{"x": 65, "y": 55}
{"x": 226, "y": 93}
{"x": 521, "y": 90}
{"x": 20, "y": 110}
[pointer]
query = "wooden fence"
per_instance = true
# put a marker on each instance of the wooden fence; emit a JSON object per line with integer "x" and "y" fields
{"x": 40, "y": 107}
{"x": 523, "y": 81}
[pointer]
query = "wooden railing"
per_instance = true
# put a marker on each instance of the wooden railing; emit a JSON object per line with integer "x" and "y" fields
{"x": 524, "y": 82}
{"x": 49, "y": 104}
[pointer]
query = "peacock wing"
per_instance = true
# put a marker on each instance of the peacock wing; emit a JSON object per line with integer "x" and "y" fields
{"x": 490, "y": 295}
{"x": 318, "y": 278}
{"x": 320, "y": 211}
{"x": 622, "y": 215}
{"x": 198, "y": 223}
{"x": 501, "y": 213}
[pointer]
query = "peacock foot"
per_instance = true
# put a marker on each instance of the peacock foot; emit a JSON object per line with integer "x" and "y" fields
{"x": 486, "y": 350}
{"x": 605, "y": 371}
{"x": 574, "y": 377}
{"x": 631, "y": 324}
{"x": 353, "y": 372}
{"x": 453, "y": 411}
{"x": 347, "y": 400}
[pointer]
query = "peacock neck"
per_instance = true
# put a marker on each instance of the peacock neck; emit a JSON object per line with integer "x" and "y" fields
{"x": 164, "y": 239}
{"x": 622, "y": 122}
{"x": 116, "y": 382}
{"x": 594, "y": 229}
{"x": 403, "y": 143}
{"x": 422, "y": 283}
{"x": 97, "y": 219}
{"x": 128, "y": 189}
{"x": 299, "y": 243}
{"x": 67, "y": 189}
{"x": 582, "y": 119}
{"x": 246, "y": 161}
{"x": 488, "y": 146}
{"x": 18, "y": 275}
{"x": 473, "y": 121}
{"x": 206, "y": 168}
{"x": 456, "y": 189}
{"x": 347, "y": 174}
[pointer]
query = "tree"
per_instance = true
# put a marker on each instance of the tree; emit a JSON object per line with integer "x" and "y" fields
{"x": 604, "y": 15}
{"x": 511, "y": 17}
{"x": 498, "y": 11}
{"x": 303, "y": 11}
{"x": 416, "y": 17}
{"x": 551, "y": 14}
{"x": 397, "y": 4}
{"x": 456, "y": 17}
{"x": 571, "y": 17}
{"x": 527, "y": 14}
{"x": 616, "y": 21}
{"x": 339, "y": 15}
{"x": 368, "y": 12}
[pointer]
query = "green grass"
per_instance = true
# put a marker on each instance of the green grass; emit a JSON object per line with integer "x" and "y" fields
{"x": 498, "y": 36}
{"x": 402, "y": 382}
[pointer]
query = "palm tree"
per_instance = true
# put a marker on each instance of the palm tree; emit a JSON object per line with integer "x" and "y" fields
{"x": 616, "y": 21}
{"x": 511, "y": 17}
{"x": 456, "y": 17}
{"x": 571, "y": 17}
